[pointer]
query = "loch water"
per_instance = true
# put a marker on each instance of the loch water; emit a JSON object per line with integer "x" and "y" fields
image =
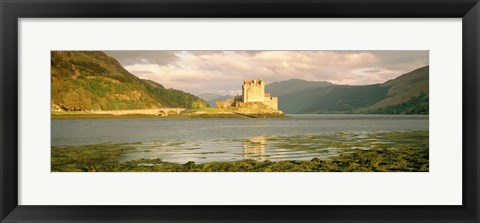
{"x": 227, "y": 139}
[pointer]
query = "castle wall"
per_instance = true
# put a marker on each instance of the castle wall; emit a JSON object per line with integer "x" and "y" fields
{"x": 253, "y": 91}
{"x": 225, "y": 104}
{"x": 271, "y": 102}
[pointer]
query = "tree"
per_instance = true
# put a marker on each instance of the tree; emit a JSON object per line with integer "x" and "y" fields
{"x": 76, "y": 100}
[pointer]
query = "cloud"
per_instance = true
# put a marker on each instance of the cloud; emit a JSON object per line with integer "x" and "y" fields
{"x": 223, "y": 71}
{"x": 143, "y": 57}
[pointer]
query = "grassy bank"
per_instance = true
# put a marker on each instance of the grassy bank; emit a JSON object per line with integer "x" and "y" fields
{"x": 140, "y": 116}
{"x": 408, "y": 153}
{"x": 203, "y": 114}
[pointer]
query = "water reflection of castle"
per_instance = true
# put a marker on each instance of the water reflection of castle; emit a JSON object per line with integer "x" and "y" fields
{"x": 254, "y": 148}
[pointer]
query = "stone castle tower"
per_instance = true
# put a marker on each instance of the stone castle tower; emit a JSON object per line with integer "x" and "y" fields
{"x": 253, "y": 91}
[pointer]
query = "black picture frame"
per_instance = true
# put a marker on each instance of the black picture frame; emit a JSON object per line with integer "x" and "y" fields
{"x": 11, "y": 11}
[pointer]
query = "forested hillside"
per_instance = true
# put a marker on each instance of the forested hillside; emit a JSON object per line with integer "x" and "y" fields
{"x": 92, "y": 80}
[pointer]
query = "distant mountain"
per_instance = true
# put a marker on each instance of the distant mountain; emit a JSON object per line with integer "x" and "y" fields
{"x": 293, "y": 85}
{"x": 209, "y": 96}
{"x": 406, "y": 94}
{"x": 92, "y": 80}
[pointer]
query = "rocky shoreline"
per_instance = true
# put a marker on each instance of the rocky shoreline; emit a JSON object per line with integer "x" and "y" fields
{"x": 408, "y": 152}
{"x": 126, "y": 115}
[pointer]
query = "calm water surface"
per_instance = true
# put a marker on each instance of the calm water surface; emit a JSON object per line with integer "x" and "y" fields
{"x": 206, "y": 140}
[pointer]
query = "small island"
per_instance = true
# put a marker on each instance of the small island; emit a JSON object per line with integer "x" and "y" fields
{"x": 254, "y": 102}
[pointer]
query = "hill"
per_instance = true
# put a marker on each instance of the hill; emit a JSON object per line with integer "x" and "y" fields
{"x": 209, "y": 96}
{"x": 92, "y": 80}
{"x": 294, "y": 85}
{"x": 406, "y": 94}
{"x": 404, "y": 87}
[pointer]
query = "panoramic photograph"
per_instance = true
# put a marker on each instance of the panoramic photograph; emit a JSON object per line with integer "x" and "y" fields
{"x": 240, "y": 111}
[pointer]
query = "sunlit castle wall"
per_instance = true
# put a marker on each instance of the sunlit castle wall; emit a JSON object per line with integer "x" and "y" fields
{"x": 253, "y": 91}
{"x": 271, "y": 102}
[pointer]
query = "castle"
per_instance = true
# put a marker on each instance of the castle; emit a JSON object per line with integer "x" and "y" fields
{"x": 252, "y": 91}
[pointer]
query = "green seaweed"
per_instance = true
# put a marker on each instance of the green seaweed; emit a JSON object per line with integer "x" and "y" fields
{"x": 374, "y": 152}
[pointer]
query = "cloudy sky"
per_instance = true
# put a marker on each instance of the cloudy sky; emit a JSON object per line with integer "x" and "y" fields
{"x": 222, "y": 72}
